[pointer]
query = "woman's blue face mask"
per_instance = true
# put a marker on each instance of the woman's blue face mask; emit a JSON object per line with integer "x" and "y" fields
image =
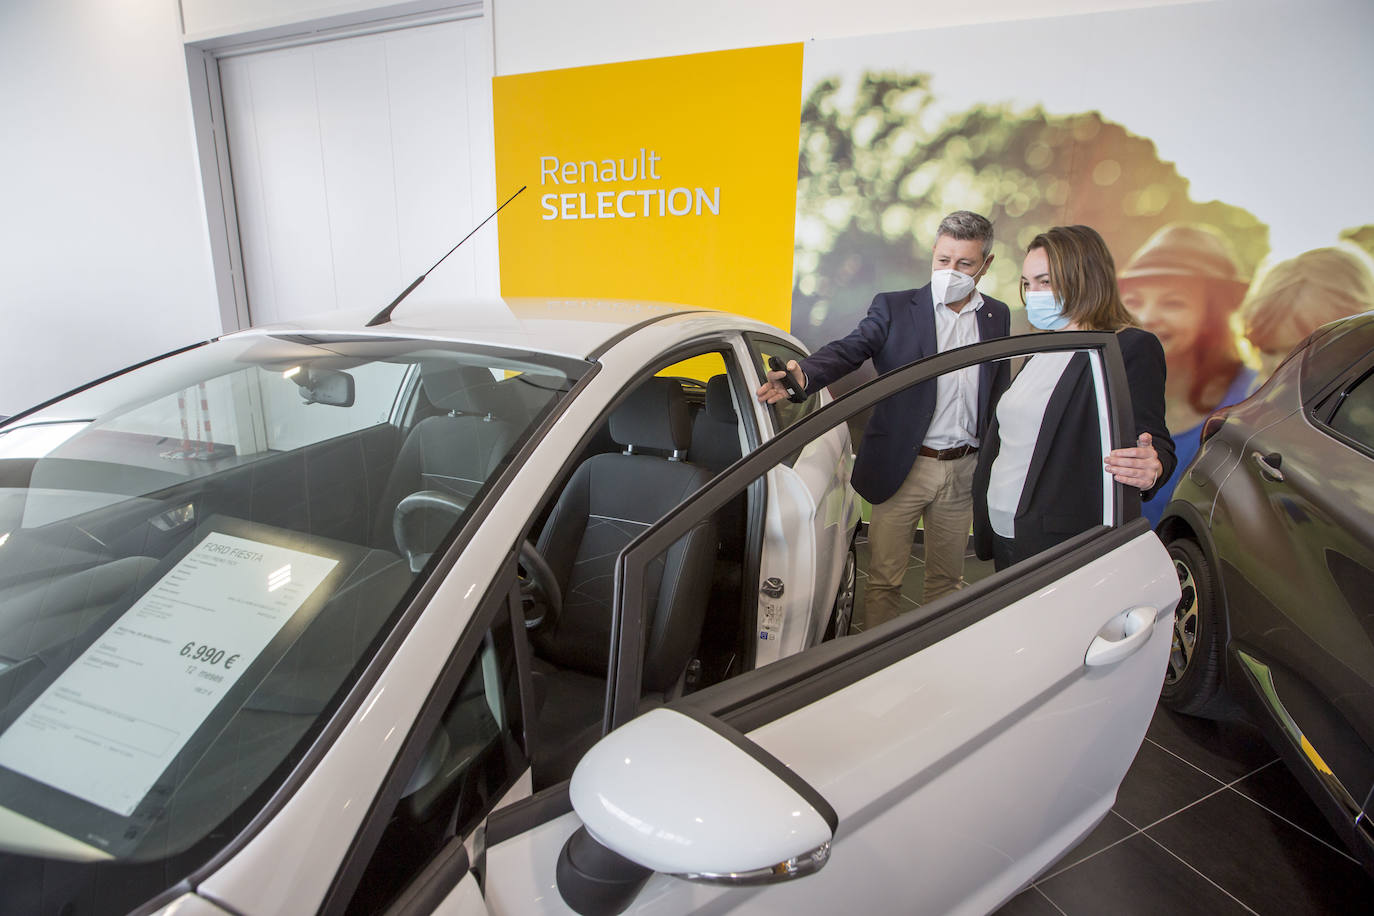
{"x": 1044, "y": 310}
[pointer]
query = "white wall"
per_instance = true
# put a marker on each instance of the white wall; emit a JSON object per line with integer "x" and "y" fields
{"x": 550, "y": 34}
{"x": 104, "y": 257}
{"x": 104, "y": 251}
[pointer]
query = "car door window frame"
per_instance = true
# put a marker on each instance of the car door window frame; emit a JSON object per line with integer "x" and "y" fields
{"x": 627, "y": 624}
{"x": 756, "y": 344}
{"x": 1329, "y": 401}
{"x": 502, "y": 599}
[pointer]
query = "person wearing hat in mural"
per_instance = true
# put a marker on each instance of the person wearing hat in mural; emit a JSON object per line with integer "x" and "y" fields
{"x": 1037, "y": 480}
{"x": 916, "y": 460}
{"x": 1300, "y": 295}
{"x": 1183, "y": 286}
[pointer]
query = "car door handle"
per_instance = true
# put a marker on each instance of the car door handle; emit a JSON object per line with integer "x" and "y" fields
{"x": 1269, "y": 464}
{"x": 1122, "y": 635}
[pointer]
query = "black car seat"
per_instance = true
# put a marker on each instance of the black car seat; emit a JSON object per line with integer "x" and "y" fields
{"x": 610, "y": 500}
{"x": 716, "y": 446}
{"x": 453, "y": 453}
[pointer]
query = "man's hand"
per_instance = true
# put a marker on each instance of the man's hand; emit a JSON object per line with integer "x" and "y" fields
{"x": 771, "y": 391}
{"x": 1138, "y": 467}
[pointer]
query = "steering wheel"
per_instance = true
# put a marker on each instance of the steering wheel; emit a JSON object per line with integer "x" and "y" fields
{"x": 539, "y": 591}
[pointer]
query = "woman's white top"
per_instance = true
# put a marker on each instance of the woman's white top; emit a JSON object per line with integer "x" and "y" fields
{"x": 1020, "y": 414}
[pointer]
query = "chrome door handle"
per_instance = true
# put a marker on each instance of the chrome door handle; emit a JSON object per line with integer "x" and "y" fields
{"x": 1269, "y": 465}
{"x": 1123, "y": 634}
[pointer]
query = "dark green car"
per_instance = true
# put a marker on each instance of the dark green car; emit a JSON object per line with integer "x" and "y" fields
{"x": 1272, "y": 533}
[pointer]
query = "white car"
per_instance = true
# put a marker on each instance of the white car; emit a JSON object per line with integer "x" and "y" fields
{"x": 528, "y": 607}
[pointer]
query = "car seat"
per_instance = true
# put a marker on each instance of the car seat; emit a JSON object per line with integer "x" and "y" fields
{"x": 453, "y": 453}
{"x": 610, "y": 500}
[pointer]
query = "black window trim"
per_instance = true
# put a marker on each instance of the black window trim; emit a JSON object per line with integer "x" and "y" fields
{"x": 496, "y": 602}
{"x": 628, "y": 614}
{"x": 1326, "y": 404}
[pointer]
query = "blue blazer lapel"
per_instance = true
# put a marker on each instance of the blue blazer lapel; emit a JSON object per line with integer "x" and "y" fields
{"x": 923, "y": 317}
{"x": 987, "y": 330}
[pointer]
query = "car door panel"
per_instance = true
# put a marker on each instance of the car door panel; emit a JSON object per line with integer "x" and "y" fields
{"x": 1001, "y": 724}
{"x": 811, "y": 499}
{"x": 964, "y": 749}
{"x": 1308, "y": 559}
{"x": 958, "y": 772}
{"x": 828, "y": 508}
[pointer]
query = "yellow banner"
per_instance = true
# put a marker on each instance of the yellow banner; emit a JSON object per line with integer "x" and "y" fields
{"x": 672, "y": 179}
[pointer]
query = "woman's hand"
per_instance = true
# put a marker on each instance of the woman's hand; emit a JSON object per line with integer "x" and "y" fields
{"x": 1137, "y": 467}
{"x": 771, "y": 391}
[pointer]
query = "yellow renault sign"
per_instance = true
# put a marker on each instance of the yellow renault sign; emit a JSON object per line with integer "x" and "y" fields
{"x": 671, "y": 179}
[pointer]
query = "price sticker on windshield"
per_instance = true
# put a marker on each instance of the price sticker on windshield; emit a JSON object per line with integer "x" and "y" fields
{"x": 112, "y": 722}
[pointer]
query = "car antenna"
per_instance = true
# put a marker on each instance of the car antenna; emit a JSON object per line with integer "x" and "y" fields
{"x": 384, "y": 315}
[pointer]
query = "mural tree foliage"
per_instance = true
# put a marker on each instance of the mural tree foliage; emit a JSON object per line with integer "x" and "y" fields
{"x": 879, "y": 167}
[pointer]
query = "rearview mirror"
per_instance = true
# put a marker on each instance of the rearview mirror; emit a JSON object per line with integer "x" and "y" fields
{"x": 690, "y": 797}
{"x": 333, "y": 387}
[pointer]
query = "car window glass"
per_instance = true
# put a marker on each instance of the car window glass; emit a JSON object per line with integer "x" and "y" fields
{"x": 1046, "y": 482}
{"x": 785, "y": 412}
{"x": 1333, "y": 353}
{"x": 1354, "y": 415}
{"x": 629, "y": 476}
{"x": 468, "y": 760}
{"x": 183, "y": 607}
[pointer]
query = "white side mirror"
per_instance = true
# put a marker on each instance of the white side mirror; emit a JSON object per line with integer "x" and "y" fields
{"x": 692, "y": 798}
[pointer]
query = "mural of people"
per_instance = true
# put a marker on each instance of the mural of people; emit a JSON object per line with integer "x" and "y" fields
{"x": 1301, "y": 294}
{"x": 1183, "y": 286}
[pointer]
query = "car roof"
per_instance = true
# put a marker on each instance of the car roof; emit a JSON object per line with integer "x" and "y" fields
{"x": 579, "y": 328}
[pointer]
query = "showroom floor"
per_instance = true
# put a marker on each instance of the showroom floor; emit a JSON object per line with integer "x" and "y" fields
{"x": 1207, "y": 821}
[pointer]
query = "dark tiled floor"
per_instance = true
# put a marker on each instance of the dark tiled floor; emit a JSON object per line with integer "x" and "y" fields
{"x": 1207, "y": 821}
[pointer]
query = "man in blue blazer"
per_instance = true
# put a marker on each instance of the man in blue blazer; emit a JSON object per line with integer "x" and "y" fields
{"x": 918, "y": 452}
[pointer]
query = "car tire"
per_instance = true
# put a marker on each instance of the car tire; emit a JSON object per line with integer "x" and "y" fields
{"x": 842, "y": 613}
{"x": 1192, "y": 684}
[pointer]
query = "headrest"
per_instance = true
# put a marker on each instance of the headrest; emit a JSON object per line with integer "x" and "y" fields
{"x": 467, "y": 389}
{"x": 719, "y": 406}
{"x": 654, "y": 416}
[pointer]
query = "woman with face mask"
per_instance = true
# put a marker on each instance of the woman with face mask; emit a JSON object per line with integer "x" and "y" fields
{"x": 1038, "y": 480}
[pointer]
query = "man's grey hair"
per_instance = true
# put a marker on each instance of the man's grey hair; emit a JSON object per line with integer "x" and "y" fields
{"x": 967, "y": 226}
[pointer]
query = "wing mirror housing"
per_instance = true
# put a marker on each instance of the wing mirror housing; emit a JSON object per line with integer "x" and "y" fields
{"x": 688, "y": 796}
{"x": 333, "y": 387}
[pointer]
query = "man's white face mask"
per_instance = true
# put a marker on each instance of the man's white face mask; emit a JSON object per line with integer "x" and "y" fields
{"x": 950, "y": 285}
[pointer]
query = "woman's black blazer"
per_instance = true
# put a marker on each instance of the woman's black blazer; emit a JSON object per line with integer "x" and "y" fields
{"x": 1063, "y": 494}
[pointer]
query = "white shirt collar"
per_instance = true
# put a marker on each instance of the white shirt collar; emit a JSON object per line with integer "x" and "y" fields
{"x": 974, "y": 304}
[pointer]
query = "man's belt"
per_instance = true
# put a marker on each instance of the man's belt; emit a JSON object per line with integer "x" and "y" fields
{"x": 947, "y": 454}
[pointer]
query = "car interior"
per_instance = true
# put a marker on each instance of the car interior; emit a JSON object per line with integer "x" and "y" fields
{"x": 353, "y": 497}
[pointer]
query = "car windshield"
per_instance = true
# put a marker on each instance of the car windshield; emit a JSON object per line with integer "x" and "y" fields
{"x": 198, "y": 558}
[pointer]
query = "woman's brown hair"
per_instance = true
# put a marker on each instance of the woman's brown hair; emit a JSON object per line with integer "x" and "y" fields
{"x": 1083, "y": 276}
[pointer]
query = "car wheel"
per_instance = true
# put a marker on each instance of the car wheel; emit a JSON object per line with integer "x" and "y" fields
{"x": 1192, "y": 684}
{"x": 843, "y": 612}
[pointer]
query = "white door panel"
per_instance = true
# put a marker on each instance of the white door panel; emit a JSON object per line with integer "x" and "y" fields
{"x": 823, "y": 468}
{"x": 357, "y": 163}
{"x": 789, "y": 555}
{"x": 463, "y": 900}
{"x": 963, "y": 771}
{"x": 520, "y": 871}
{"x": 958, "y": 773}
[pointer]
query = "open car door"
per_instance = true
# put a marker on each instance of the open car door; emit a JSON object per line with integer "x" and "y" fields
{"x": 934, "y": 764}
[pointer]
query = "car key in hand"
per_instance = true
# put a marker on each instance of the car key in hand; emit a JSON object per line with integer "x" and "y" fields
{"x": 789, "y": 384}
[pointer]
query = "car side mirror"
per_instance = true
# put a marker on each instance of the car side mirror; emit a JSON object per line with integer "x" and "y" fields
{"x": 333, "y": 387}
{"x": 687, "y": 796}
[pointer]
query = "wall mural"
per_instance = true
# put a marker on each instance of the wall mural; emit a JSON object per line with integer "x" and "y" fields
{"x": 1220, "y": 148}
{"x": 1068, "y": 120}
